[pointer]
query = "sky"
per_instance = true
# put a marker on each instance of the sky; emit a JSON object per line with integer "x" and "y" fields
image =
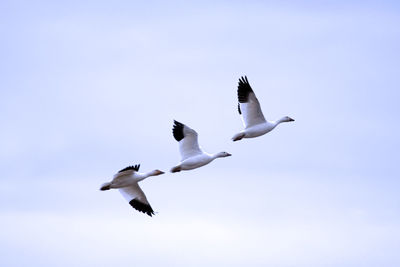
{"x": 88, "y": 88}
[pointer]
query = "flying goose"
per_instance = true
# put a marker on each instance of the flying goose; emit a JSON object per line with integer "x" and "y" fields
{"x": 126, "y": 181}
{"x": 253, "y": 119}
{"x": 192, "y": 156}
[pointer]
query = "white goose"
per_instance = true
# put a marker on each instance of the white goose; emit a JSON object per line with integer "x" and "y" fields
{"x": 192, "y": 156}
{"x": 253, "y": 119}
{"x": 126, "y": 180}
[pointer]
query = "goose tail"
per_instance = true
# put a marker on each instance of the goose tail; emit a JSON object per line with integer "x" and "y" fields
{"x": 176, "y": 169}
{"x": 238, "y": 136}
{"x": 105, "y": 186}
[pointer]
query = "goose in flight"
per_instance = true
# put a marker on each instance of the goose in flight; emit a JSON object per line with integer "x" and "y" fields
{"x": 253, "y": 119}
{"x": 192, "y": 156}
{"x": 126, "y": 181}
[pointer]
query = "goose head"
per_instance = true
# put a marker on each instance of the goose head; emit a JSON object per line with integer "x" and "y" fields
{"x": 156, "y": 172}
{"x": 286, "y": 119}
{"x": 223, "y": 155}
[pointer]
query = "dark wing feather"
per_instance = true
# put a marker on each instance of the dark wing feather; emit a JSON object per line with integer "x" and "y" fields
{"x": 177, "y": 131}
{"x": 244, "y": 89}
{"x": 142, "y": 207}
{"x": 133, "y": 167}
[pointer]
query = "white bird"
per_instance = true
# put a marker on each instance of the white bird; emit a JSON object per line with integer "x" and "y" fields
{"x": 126, "y": 180}
{"x": 192, "y": 156}
{"x": 253, "y": 119}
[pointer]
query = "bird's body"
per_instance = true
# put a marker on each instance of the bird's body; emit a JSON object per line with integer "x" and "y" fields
{"x": 192, "y": 156}
{"x": 250, "y": 110}
{"x": 126, "y": 180}
{"x": 196, "y": 161}
{"x": 258, "y": 129}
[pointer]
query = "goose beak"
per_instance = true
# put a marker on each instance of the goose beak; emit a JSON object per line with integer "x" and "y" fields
{"x": 228, "y": 154}
{"x": 290, "y": 119}
{"x": 158, "y": 172}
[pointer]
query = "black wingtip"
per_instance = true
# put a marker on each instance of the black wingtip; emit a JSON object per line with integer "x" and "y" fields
{"x": 133, "y": 167}
{"x": 240, "y": 112}
{"x": 243, "y": 80}
{"x": 177, "y": 130}
{"x": 142, "y": 207}
{"x": 244, "y": 89}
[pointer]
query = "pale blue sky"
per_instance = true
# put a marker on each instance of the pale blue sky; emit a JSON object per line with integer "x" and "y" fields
{"x": 89, "y": 88}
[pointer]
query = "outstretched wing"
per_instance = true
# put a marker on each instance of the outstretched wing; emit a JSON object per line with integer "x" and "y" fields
{"x": 127, "y": 171}
{"x": 249, "y": 107}
{"x": 137, "y": 199}
{"x": 187, "y": 138}
{"x": 133, "y": 167}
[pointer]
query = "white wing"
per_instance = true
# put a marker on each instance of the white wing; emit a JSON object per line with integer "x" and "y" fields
{"x": 187, "y": 138}
{"x": 249, "y": 107}
{"x": 137, "y": 199}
